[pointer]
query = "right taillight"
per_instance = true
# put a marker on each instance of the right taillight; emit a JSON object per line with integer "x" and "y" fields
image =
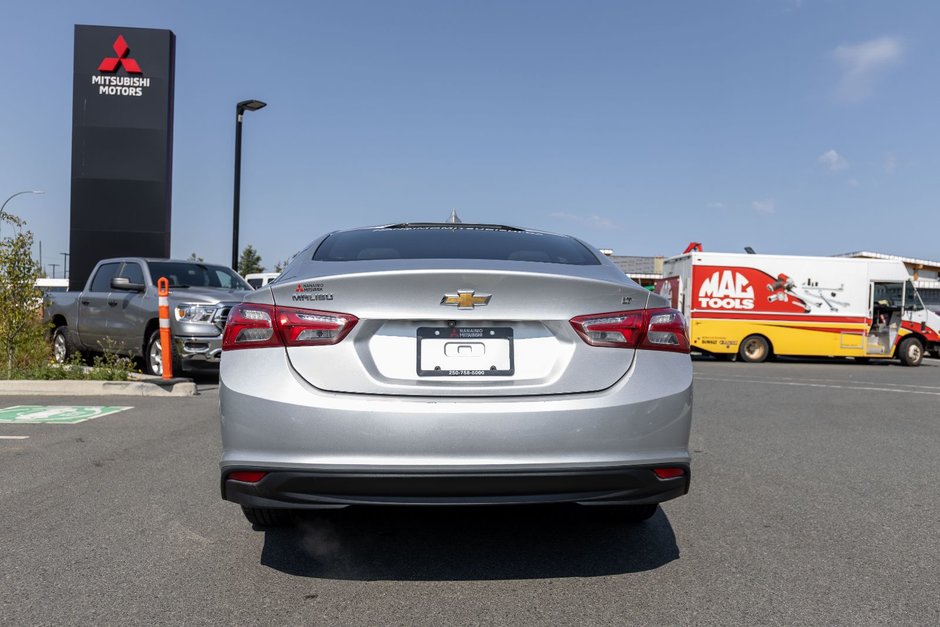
{"x": 661, "y": 329}
{"x": 254, "y": 325}
{"x": 669, "y": 472}
{"x": 665, "y": 331}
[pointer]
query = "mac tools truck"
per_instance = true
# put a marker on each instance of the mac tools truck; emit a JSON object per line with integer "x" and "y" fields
{"x": 756, "y": 306}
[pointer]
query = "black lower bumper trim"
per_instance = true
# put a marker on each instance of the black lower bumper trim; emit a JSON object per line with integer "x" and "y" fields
{"x": 312, "y": 489}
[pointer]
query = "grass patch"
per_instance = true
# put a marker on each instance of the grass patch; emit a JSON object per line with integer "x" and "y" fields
{"x": 106, "y": 367}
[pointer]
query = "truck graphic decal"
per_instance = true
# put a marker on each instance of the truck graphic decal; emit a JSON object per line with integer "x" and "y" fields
{"x": 725, "y": 289}
{"x": 750, "y": 289}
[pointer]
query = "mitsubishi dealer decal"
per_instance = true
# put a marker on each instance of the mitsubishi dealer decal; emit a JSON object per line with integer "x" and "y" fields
{"x": 743, "y": 289}
{"x": 309, "y": 292}
{"x": 115, "y": 83}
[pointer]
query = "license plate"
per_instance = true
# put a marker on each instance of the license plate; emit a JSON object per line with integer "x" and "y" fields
{"x": 465, "y": 351}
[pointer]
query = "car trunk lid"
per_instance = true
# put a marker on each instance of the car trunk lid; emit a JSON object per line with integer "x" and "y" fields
{"x": 461, "y": 332}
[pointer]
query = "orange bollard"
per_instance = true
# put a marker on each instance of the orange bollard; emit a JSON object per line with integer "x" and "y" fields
{"x": 166, "y": 348}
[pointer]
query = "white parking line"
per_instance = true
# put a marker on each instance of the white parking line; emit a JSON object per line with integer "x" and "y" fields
{"x": 799, "y": 380}
{"x": 14, "y": 437}
{"x": 818, "y": 385}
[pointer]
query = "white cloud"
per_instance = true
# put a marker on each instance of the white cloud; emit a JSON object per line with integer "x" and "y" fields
{"x": 768, "y": 205}
{"x": 715, "y": 205}
{"x": 891, "y": 163}
{"x": 852, "y": 182}
{"x": 863, "y": 63}
{"x": 592, "y": 221}
{"x": 832, "y": 160}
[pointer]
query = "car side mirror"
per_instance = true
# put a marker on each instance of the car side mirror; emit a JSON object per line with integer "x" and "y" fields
{"x": 122, "y": 283}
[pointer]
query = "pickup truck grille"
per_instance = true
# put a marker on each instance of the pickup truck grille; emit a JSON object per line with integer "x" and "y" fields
{"x": 221, "y": 316}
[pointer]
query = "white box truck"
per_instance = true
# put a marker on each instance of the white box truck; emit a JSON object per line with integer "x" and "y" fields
{"x": 755, "y": 306}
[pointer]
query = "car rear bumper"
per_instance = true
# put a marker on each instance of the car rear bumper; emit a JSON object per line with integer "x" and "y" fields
{"x": 305, "y": 489}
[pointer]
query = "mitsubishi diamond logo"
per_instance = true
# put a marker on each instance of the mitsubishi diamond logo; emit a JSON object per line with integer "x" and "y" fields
{"x": 466, "y": 299}
{"x": 113, "y": 83}
{"x": 121, "y": 49}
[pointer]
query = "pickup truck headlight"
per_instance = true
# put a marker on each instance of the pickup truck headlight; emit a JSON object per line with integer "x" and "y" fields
{"x": 194, "y": 313}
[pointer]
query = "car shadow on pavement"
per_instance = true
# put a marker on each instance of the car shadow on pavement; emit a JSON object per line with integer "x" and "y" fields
{"x": 457, "y": 544}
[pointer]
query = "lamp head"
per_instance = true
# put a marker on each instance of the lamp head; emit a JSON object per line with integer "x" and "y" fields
{"x": 250, "y": 105}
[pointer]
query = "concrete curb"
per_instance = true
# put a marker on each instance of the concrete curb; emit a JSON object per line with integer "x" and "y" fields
{"x": 157, "y": 387}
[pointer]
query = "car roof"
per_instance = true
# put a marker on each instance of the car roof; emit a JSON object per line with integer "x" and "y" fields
{"x": 161, "y": 260}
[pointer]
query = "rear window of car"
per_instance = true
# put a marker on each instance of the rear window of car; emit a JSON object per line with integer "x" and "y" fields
{"x": 448, "y": 242}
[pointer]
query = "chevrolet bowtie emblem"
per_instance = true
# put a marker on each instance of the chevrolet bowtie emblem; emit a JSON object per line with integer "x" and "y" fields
{"x": 465, "y": 299}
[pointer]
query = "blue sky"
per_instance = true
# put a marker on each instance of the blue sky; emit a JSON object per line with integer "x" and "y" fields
{"x": 793, "y": 127}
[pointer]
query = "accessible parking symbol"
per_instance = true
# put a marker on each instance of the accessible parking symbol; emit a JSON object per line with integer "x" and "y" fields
{"x": 61, "y": 414}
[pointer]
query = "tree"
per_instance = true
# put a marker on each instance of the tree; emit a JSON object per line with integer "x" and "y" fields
{"x": 250, "y": 261}
{"x": 280, "y": 265}
{"x": 22, "y": 334}
{"x": 195, "y": 257}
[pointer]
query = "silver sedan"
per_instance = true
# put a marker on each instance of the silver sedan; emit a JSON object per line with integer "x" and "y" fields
{"x": 442, "y": 364}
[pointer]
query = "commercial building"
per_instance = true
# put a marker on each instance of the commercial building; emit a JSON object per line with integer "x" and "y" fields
{"x": 925, "y": 274}
{"x": 643, "y": 270}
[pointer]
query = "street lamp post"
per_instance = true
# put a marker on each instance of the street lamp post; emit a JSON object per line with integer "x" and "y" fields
{"x": 3, "y": 206}
{"x": 240, "y": 108}
{"x": 65, "y": 265}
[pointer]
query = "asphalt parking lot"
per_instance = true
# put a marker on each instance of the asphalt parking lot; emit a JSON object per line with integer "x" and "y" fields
{"x": 814, "y": 500}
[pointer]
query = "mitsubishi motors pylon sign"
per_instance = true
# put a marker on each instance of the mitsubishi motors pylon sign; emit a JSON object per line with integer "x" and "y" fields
{"x": 122, "y": 145}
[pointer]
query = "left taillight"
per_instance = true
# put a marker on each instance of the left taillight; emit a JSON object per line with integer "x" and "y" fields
{"x": 251, "y": 325}
{"x": 661, "y": 329}
{"x": 254, "y": 325}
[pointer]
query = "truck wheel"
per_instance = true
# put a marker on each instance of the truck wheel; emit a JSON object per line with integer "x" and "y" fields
{"x": 754, "y": 349}
{"x": 911, "y": 351}
{"x": 61, "y": 347}
{"x": 153, "y": 357}
{"x": 261, "y": 517}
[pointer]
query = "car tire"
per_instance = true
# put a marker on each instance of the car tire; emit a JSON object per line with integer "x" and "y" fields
{"x": 153, "y": 355}
{"x": 62, "y": 349}
{"x": 261, "y": 517}
{"x": 754, "y": 349}
{"x": 911, "y": 351}
{"x": 630, "y": 514}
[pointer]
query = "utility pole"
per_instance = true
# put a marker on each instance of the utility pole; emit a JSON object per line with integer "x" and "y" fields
{"x": 65, "y": 264}
{"x": 54, "y": 266}
{"x": 240, "y": 108}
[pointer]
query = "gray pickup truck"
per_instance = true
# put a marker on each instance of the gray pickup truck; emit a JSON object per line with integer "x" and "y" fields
{"x": 118, "y": 312}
